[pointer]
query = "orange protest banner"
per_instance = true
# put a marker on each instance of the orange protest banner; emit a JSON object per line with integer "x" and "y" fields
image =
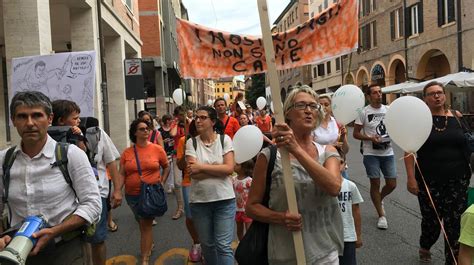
{"x": 211, "y": 53}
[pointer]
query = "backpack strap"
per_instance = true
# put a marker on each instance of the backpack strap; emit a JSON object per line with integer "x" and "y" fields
{"x": 268, "y": 179}
{"x": 222, "y": 140}
{"x": 60, "y": 151}
{"x": 7, "y": 165}
{"x": 195, "y": 144}
{"x": 227, "y": 122}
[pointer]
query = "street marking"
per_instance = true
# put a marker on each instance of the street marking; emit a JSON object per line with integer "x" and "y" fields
{"x": 172, "y": 252}
{"x": 123, "y": 259}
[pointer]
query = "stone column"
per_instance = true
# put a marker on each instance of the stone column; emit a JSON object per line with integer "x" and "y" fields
{"x": 27, "y": 29}
{"x": 118, "y": 106}
{"x": 85, "y": 37}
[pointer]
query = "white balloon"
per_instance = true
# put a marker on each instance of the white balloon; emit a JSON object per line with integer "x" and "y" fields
{"x": 178, "y": 96}
{"x": 409, "y": 122}
{"x": 209, "y": 102}
{"x": 261, "y": 103}
{"x": 347, "y": 103}
{"x": 247, "y": 143}
{"x": 226, "y": 97}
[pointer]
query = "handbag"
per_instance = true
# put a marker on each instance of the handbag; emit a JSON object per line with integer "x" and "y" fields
{"x": 253, "y": 248}
{"x": 152, "y": 199}
{"x": 468, "y": 135}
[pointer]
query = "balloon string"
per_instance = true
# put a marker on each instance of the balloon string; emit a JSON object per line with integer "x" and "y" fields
{"x": 434, "y": 206}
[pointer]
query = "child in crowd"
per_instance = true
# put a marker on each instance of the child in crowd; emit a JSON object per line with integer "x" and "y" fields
{"x": 349, "y": 199}
{"x": 466, "y": 239}
{"x": 242, "y": 184}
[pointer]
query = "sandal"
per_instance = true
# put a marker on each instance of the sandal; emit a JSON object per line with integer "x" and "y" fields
{"x": 112, "y": 227}
{"x": 425, "y": 255}
{"x": 178, "y": 214}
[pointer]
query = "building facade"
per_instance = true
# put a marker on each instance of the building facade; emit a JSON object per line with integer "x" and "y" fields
{"x": 36, "y": 27}
{"x": 160, "y": 52}
{"x": 414, "y": 40}
{"x": 231, "y": 86}
{"x": 326, "y": 76}
{"x": 295, "y": 13}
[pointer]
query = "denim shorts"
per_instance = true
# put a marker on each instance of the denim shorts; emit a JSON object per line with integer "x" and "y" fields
{"x": 376, "y": 164}
{"x": 132, "y": 201}
{"x": 101, "y": 227}
{"x": 187, "y": 210}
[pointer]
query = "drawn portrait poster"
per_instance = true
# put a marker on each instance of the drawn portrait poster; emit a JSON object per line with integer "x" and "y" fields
{"x": 68, "y": 76}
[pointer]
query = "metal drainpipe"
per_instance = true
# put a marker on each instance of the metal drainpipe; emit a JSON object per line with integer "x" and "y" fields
{"x": 103, "y": 70}
{"x": 405, "y": 39}
{"x": 459, "y": 27}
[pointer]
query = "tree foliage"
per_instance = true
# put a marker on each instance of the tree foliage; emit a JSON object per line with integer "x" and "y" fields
{"x": 257, "y": 89}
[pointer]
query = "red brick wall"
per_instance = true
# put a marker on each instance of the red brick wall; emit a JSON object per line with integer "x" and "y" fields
{"x": 129, "y": 18}
{"x": 150, "y": 28}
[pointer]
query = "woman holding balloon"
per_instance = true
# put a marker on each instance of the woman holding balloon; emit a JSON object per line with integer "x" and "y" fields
{"x": 443, "y": 175}
{"x": 317, "y": 180}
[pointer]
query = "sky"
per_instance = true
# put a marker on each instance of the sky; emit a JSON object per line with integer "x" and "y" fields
{"x": 235, "y": 16}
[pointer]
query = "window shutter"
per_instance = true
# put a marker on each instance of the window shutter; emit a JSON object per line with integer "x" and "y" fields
{"x": 440, "y": 13}
{"x": 392, "y": 25}
{"x": 408, "y": 21}
{"x": 401, "y": 25}
{"x": 420, "y": 17}
{"x": 451, "y": 11}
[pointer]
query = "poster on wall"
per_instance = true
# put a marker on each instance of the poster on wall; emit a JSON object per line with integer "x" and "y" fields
{"x": 68, "y": 76}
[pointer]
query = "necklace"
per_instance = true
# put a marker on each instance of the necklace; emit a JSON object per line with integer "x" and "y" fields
{"x": 445, "y": 124}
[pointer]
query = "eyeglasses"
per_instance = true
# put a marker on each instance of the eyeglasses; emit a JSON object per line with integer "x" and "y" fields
{"x": 143, "y": 129}
{"x": 437, "y": 93}
{"x": 202, "y": 117}
{"x": 303, "y": 105}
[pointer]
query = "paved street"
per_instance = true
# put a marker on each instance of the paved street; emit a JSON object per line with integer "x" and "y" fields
{"x": 397, "y": 245}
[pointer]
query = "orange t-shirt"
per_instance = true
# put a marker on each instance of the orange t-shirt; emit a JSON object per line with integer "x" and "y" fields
{"x": 264, "y": 124}
{"x": 232, "y": 126}
{"x": 180, "y": 154}
{"x": 151, "y": 158}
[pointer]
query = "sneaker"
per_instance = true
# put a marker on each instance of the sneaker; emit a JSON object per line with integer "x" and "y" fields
{"x": 154, "y": 222}
{"x": 195, "y": 253}
{"x": 382, "y": 223}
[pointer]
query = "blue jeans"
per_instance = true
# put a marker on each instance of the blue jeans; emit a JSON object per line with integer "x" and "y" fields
{"x": 214, "y": 222}
{"x": 101, "y": 227}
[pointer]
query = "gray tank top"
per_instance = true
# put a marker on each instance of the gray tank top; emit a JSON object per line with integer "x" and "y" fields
{"x": 322, "y": 221}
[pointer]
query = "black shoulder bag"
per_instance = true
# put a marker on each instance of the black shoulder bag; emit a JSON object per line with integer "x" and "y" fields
{"x": 152, "y": 199}
{"x": 468, "y": 135}
{"x": 253, "y": 248}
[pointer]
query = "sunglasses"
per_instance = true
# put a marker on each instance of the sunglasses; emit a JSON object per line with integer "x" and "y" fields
{"x": 143, "y": 129}
{"x": 202, "y": 117}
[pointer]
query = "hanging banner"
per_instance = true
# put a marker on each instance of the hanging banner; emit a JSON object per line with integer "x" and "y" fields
{"x": 211, "y": 53}
{"x": 69, "y": 75}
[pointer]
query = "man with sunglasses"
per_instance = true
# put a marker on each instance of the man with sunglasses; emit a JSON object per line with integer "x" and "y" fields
{"x": 377, "y": 151}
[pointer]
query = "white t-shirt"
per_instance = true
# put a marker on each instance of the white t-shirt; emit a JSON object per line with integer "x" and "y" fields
{"x": 211, "y": 189}
{"x": 327, "y": 135}
{"x": 348, "y": 196}
{"x": 371, "y": 120}
{"x": 106, "y": 153}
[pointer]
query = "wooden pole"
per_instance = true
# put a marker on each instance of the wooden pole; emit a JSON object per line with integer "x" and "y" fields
{"x": 278, "y": 112}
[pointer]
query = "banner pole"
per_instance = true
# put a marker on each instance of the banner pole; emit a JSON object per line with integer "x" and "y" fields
{"x": 278, "y": 108}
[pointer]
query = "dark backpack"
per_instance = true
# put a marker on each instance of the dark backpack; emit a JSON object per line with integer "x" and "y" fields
{"x": 60, "y": 152}
{"x": 90, "y": 128}
{"x": 64, "y": 134}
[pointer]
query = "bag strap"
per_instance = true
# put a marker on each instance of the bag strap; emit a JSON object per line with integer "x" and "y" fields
{"x": 227, "y": 122}
{"x": 461, "y": 121}
{"x": 268, "y": 179}
{"x": 138, "y": 161}
{"x": 195, "y": 144}
{"x": 7, "y": 165}
{"x": 153, "y": 136}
